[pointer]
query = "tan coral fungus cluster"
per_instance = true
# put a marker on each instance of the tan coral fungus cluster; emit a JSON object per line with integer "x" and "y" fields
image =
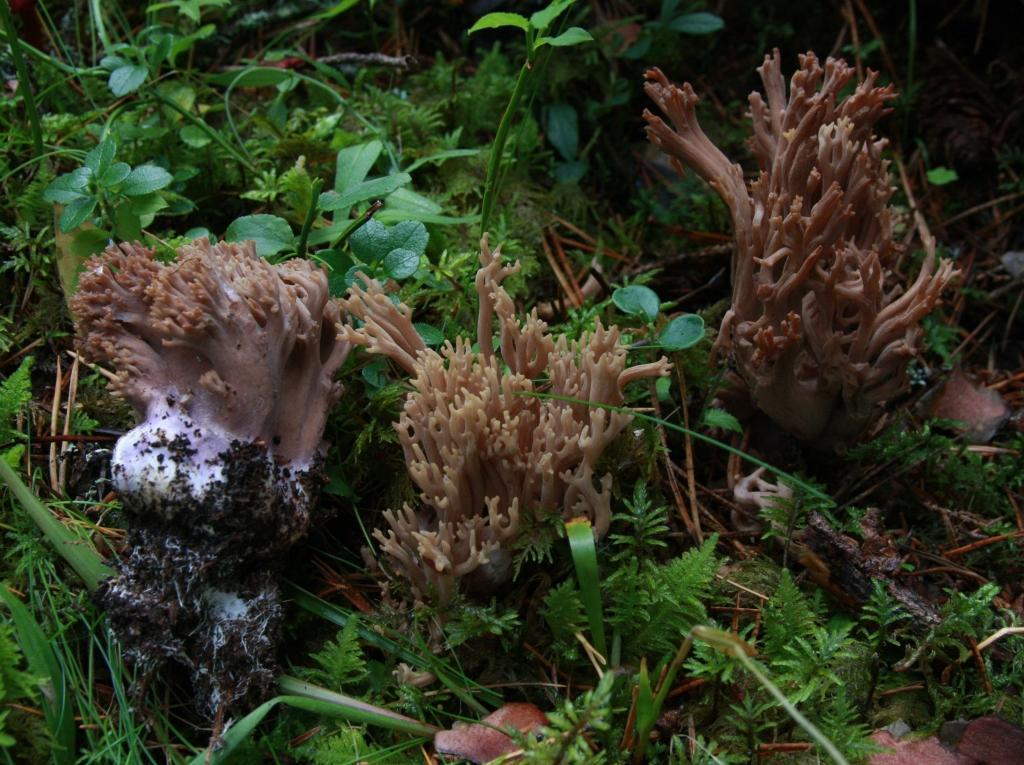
{"x": 817, "y": 329}
{"x": 483, "y": 454}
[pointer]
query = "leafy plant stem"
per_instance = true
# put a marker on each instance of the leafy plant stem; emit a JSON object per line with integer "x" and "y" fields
{"x": 24, "y": 83}
{"x": 307, "y": 224}
{"x": 498, "y": 150}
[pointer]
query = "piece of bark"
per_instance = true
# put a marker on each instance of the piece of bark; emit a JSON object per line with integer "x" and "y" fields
{"x": 846, "y": 566}
{"x": 484, "y": 741}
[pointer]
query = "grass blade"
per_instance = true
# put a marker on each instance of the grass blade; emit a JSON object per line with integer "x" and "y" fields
{"x": 43, "y": 663}
{"x": 584, "y": 558}
{"x": 314, "y": 699}
{"x": 78, "y": 552}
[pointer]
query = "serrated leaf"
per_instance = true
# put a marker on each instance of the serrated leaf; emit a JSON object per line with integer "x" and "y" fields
{"x": 99, "y": 157}
{"x": 373, "y": 240}
{"x": 126, "y": 79}
{"x": 682, "y": 332}
{"x": 68, "y": 187}
{"x": 637, "y": 300}
{"x": 114, "y": 174}
{"x": 571, "y": 36}
{"x": 270, "y": 233}
{"x": 701, "y": 23}
{"x": 500, "y": 19}
{"x": 401, "y": 263}
{"x": 76, "y": 213}
{"x": 719, "y": 418}
{"x": 146, "y": 179}
{"x": 542, "y": 19}
{"x": 376, "y": 188}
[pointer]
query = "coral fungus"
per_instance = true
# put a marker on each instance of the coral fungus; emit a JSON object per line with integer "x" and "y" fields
{"x": 483, "y": 452}
{"x": 229, "y": 361}
{"x": 818, "y": 330}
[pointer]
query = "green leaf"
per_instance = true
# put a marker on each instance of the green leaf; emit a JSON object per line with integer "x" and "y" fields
{"x": 682, "y": 332}
{"x": 584, "y": 557}
{"x": 76, "y": 213}
{"x": 701, "y": 23}
{"x": 542, "y": 19}
{"x": 255, "y": 77}
{"x": 270, "y": 233}
{"x": 126, "y": 79}
{"x": 114, "y": 174}
{"x": 194, "y": 137}
{"x": 99, "y": 158}
{"x": 637, "y": 300}
{"x": 563, "y": 130}
{"x": 401, "y": 263}
{"x": 376, "y": 188}
{"x": 499, "y": 19}
{"x": 353, "y": 164}
{"x": 431, "y": 336}
{"x": 719, "y": 418}
{"x": 571, "y": 36}
{"x": 145, "y": 179}
{"x": 405, "y": 204}
{"x": 68, "y": 187}
{"x": 373, "y": 241}
{"x": 442, "y": 156}
{"x": 940, "y": 176}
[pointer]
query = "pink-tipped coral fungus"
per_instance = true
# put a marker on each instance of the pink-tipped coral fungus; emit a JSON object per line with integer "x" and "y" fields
{"x": 818, "y": 329}
{"x": 229, "y": 362}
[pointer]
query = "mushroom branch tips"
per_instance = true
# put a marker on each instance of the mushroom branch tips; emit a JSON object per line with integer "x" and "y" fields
{"x": 818, "y": 330}
{"x": 230, "y": 363}
{"x": 484, "y": 453}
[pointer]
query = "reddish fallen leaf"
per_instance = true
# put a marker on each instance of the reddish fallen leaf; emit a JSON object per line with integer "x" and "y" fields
{"x": 993, "y": 741}
{"x": 484, "y": 741}
{"x": 982, "y": 411}
{"x": 921, "y": 751}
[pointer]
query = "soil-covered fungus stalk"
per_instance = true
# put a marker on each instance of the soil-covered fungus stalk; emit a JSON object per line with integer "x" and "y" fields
{"x": 229, "y": 362}
{"x": 484, "y": 454}
{"x": 818, "y": 330}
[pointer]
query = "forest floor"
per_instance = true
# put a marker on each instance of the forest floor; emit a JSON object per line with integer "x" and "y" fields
{"x": 878, "y": 603}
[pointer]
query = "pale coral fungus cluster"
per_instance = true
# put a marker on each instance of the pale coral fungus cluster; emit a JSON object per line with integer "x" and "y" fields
{"x": 482, "y": 450}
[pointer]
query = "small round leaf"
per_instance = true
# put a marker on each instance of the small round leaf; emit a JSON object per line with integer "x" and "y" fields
{"x": 637, "y": 300}
{"x": 682, "y": 332}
